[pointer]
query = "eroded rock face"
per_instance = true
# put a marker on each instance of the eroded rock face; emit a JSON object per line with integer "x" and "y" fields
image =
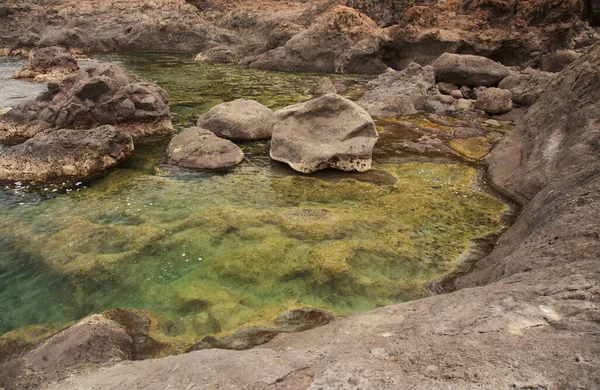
{"x": 527, "y": 86}
{"x": 66, "y": 155}
{"x": 239, "y": 120}
{"x": 494, "y": 101}
{"x": 557, "y": 61}
{"x": 48, "y": 64}
{"x": 469, "y": 70}
{"x": 327, "y": 132}
{"x": 106, "y": 94}
{"x": 341, "y": 41}
{"x": 398, "y": 93}
{"x": 197, "y": 148}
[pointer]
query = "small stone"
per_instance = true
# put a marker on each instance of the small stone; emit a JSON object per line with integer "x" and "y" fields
{"x": 446, "y": 99}
{"x": 494, "y": 101}
{"x": 446, "y": 88}
{"x": 467, "y": 92}
{"x": 463, "y": 104}
{"x": 456, "y": 94}
{"x": 493, "y": 123}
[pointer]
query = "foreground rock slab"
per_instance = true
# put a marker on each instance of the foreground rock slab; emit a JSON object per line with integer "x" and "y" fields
{"x": 66, "y": 155}
{"x": 398, "y": 93}
{"x": 469, "y": 70}
{"x": 198, "y": 148}
{"x": 239, "y": 120}
{"x": 102, "y": 95}
{"x": 327, "y": 132}
{"x": 48, "y": 64}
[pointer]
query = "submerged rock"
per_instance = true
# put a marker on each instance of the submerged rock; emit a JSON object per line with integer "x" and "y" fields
{"x": 398, "y": 93}
{"x": 494, "y": 101}
{"x": 102, "y": 95}
{"x": 527, "y": 86}
{"x": 48, "y": 64}
{"x": 197, "y": 148}
{"x": 239, "y": 120}
{"x": 66, "y": 155}
{"x": 469, "y": 70}
{"x": 327, "y": 132}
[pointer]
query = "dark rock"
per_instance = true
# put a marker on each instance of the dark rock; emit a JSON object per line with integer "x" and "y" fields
{"x": 494, "y": 101}
{"x": 327, "y": 132}
{"x": 66, "y": 155}
{"x": 239, "y": 120}
{"x": 469, "y": 70}
{"x": 557, "y": 61}
{"x": 197, "y": 148}
{"x": 303, "y": 319}
{"x": 106, "y": 94}
{"x": 398, "y": 93}
{"x": 341, "y": 41}
{"x": 466, "y": 92}
{"x": 48, "y": 64}
{"x": 527, "y": 86}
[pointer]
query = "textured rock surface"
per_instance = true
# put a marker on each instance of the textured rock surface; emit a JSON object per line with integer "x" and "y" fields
{"x": 341, "y": 41}
{"x": 494, "y": 101}
{"x": 106, "y": 94}
{"x": 527, "y": 86}
{"x": 198, "y": 148}
{"x": 239, "y": 120}
{"x": 469, "y": 70}
{"x": 48, "y": 64}
{"x": 66, "y": 155}
{"x": 327, "y": 132}
{"x": 556, "y": 62}
{"x": 398, "y": 93}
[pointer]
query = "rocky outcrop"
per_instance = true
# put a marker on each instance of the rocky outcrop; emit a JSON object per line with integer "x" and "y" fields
{"x": 494, "y": 101}
{"x": 239, "y": 120}
{"x": 48, "y": 64}
{"x": 469, "y": 70}
{"x": 109, "y": 26}
{"x": 557, "y": 61}
{"x": 66, "y": 155}
{"x": 341, "y": 41}
{"x": 527, "y": 86}
{"x": 106, "y": 94}
{"x": 398, "y": 93}
{"x": 327, "y": 132}
{"x": 197, "y": 148}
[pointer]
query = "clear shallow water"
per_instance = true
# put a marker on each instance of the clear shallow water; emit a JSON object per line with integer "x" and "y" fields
{"x": 13, "y": 92}
{"x": 209, "y": 253}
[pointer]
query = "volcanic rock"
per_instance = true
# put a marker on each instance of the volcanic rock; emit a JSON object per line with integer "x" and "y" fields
{"x": 327, "y": 132}
{"x": 527, "y": 86}
{"x": 48, "y": 64}
{"x": 239, "y": 120}
{"x": 469, "y": 70}
{"x": 494, "y": 101}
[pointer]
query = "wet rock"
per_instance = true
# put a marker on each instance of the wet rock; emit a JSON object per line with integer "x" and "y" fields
{"x": 469, "y": 70}
{"x": 456, "y": 94}
{"x": 557, "y": 61}
{"x": 341, "y": 41}
{"x": 327, "y": 132}
{"x": 446, "y": 88}
{"x": 494, "y": 101}
{"x": 66, "y": 155}
{"x": 218, "y": 55}
{"x": 398, "y": 93}
{"x": 303, "y": 319}
{"x": 239, "y": 120}
{"x": 427, "y": 145}
{"x": 48, "y": 64}
{"x": 197, "y": 148}
{"x": 527, "y": 86}
{"x": 106, "y": 94}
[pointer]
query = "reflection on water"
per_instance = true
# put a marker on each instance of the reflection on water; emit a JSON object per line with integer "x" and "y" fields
{"x": 208, "y": 253}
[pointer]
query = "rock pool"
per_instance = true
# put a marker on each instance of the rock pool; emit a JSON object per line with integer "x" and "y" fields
{"x": 210, "y": 253}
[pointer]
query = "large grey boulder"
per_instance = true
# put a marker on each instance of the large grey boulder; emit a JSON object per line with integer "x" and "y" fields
{"x": 327, "y": 132}
{"x": 66, "y": 155}
{"x": 398, "y": 93}
{"x": 198, "y": 148}
{"x": 527, "y": 86}
{"x": 341, "y": 41}
{"x": 239, "y": 120}
{"x": 48, "y": 64}
{"x": 494, "y": 101}
{"x": 469, "y": 70}
{"x": 102, "y": 95}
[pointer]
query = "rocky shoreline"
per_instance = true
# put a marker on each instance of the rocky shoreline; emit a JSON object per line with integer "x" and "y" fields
{"x": 527, "y": 316}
